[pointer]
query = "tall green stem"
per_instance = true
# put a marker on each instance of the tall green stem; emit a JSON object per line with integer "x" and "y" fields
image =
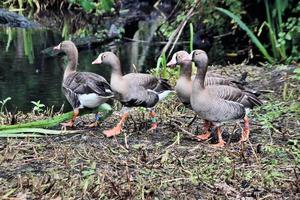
{"x": 271, "y": 29}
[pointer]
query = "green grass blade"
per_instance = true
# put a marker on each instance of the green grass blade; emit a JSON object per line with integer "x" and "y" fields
{"x": 191, "y": 36}
{"x": 20, "y": 135}
{"x": 105, "y": 110}
{"x": 272, "y": 33}
{"x": 161, "y": 65}
{"x": 17, "y": 131}
{"x": 243, "y": 26}
{"x": 280, "y": 7}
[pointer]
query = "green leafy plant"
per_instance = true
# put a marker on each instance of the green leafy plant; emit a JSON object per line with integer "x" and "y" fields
{"x": 161, "y": 65}
{"x": 89, "y": 6}
{"x": 3, "y": 102}
{"x": 38, "y": 106}
{"x": 282, "y": 34}
{"x": 162, "y": 70}
{"x": 296, "y": 74}
{"x": 250, "y": 33}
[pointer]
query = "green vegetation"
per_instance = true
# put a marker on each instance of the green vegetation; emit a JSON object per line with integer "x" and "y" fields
{"x": 99, "y": 6}
{"x": 88, "y": 6}
{"x": 275, "y": 34}
{"x": 3, "y": 102}
{"x": 38, "y": 107}
{"x": 297, "y": 74}
{"x": 282, "y": 36}
{"x": 249, "y": 32}
{"x": 35, "y": 126}
{"x": 191, "y": 36}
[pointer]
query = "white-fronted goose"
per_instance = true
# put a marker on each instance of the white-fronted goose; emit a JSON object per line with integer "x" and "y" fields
{"x": 82, "y": 89}
{"x": 219, "y": 103}
{"x": 183, "y": 86}
{"x": 133, "y": 89}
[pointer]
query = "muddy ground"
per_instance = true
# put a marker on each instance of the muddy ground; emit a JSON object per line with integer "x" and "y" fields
{"x": 167, "y": 163}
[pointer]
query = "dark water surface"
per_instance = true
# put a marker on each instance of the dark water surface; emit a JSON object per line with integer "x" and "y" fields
{"x": 26, "y": 75}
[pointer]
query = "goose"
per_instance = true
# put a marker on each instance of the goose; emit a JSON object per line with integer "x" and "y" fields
{"x": 133, "y": 90}
{"x": 183, "y": 86}
{"x": 218, "y": 104}
{"x": 82, "y": 89}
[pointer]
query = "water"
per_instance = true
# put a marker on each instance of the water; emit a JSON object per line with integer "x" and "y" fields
{"x": 27, "y": 75}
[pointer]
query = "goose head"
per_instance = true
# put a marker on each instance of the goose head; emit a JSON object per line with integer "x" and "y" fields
{"x": 108, "y": 58}
{"x": 199, "y": 57}
{"x": 67, "y": 46}
{"x": 179, "y": 58}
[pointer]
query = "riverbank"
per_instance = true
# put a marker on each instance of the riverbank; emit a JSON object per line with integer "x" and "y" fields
{"x": 167, "y": 163}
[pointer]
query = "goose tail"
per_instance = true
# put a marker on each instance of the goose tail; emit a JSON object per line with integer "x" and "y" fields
{"x": 162, "y": 86}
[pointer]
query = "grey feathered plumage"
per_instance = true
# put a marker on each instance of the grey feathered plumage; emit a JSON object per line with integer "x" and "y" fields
{"x": 218, "y": 103}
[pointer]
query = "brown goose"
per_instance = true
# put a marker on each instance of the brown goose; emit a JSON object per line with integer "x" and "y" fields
{"x": 82, "y": 89}
{"x": 183, "y": 86}
{"x": 219, "y": 103}
{"x": 133, "y": 90}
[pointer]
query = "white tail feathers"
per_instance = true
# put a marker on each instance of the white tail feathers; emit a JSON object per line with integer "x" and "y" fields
{"x": 164, "y": 94}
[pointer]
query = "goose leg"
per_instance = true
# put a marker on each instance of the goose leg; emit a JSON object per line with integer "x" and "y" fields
{"x": 207, "y": 133}
{"x": 154, "y": 120}
{"x": 246, "y": 130}
{"x": 118, "y": 128}
{"x": 221, "y": 142}
{"x": 71, "y": 123}
{"x": 96, "y": 123}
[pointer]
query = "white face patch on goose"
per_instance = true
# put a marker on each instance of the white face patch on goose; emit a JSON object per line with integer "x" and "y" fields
{"x": 173, "y": 61}
{"x": 98, "y": 60}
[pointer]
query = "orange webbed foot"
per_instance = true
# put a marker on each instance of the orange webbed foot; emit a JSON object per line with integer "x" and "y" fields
{"x": 92, "y": 125}
{"x": 204, "y": 136}
{"x": 112, "y": 132}
{"x": 67, "y": 124}
{"x": 153, "y": 127}
{"x": 219, "y": 144}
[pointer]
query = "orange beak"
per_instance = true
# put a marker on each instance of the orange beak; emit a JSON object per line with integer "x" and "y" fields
{"x": 57, "y": 47}
{"x": 98, "y": 60}
{"x": 173, "y": 61}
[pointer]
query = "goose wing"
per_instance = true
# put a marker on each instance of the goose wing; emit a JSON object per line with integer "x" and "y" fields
{"x": 146, "y": 81}
{"x": 233, "y": 94}
{"x": 226, "y": 111}
{"x": 87, "y": 83}
{"x": 80, "y": 83}
{"x": 139, "y": 96}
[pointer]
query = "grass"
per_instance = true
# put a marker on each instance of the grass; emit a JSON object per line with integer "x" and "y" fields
{"x": 166, "y": 163}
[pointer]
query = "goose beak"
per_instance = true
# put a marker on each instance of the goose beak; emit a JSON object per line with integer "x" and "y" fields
{"x": 98, "y": 60}
{"x": 56, "y": 47}
{"x": 172, "y": 62}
